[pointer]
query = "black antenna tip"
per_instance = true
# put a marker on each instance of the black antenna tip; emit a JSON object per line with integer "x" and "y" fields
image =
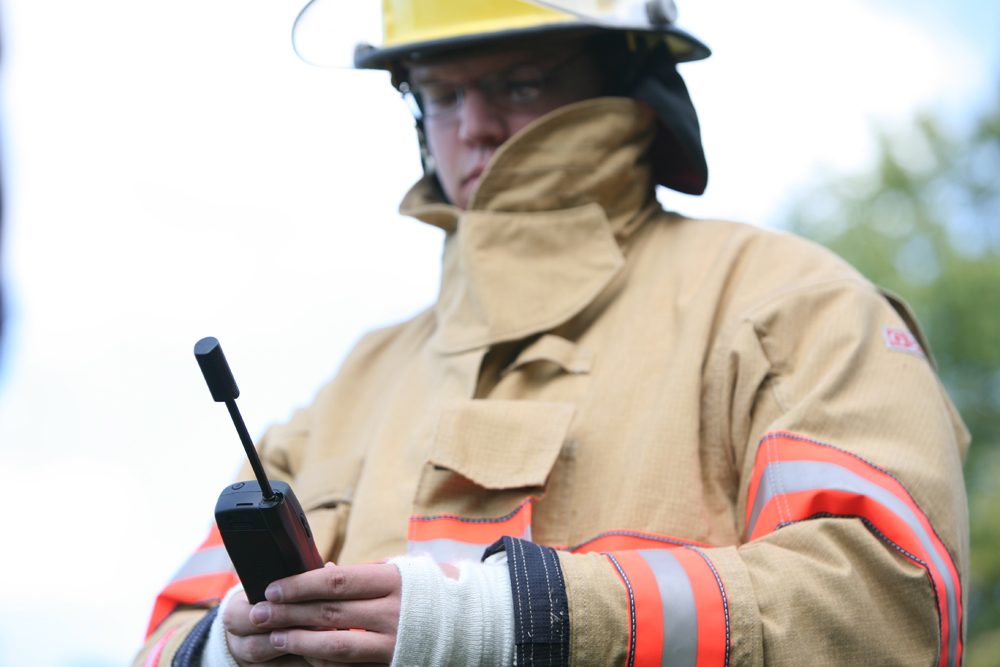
{"x": 215, "y": 368}
{"x": 206, "y": 345}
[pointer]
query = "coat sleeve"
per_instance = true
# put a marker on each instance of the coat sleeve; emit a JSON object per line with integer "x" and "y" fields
{"x": 181, "y": 616}
{"x": 183, "y": 612}
{"x": 848, "y": 487}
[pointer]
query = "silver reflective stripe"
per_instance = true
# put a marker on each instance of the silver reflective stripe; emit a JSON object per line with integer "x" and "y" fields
{"x": 205, "y": 562}
{"x": 451, "y": 551}
{"x": 795, "y": 476}
{"x": 680, "y": 614}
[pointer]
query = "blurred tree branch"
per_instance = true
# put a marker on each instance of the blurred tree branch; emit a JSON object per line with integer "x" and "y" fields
{"x": 925, "y": 223}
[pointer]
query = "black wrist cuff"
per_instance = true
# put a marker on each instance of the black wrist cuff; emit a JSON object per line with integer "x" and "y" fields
{"x": 541, "y": 608}
{"x": 189, "y": 654}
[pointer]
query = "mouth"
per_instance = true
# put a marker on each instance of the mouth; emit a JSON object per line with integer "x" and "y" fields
{"x": 473, "y": 177}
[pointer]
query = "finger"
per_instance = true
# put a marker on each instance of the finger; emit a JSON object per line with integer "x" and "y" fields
{"x": 336, "y": 645}
{"x": 236, "y": 618}
{"x": 252, "y": 649}
{"x": 378, "y": 614}
{"x": 348, "y": 582}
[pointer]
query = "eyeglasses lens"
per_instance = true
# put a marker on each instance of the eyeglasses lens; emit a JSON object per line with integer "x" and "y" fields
{"x": 511, "y": 89}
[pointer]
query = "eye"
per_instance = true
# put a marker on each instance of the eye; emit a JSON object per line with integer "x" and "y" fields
{"x": 439, "y": 96}
{"x": 524, "y": 91}
{"x": 524, "y": 83}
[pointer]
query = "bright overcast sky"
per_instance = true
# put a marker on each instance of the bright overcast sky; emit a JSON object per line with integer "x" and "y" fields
{"x": 173, "y": 171}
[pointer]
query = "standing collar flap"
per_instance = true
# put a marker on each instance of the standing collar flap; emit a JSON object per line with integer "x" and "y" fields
{"x": 511, "y": 275}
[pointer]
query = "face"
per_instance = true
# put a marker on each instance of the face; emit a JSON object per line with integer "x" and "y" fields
{"x": 498, "y": 96}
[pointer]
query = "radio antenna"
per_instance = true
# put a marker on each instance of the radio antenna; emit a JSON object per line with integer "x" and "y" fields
{"x": 222, "y": 384}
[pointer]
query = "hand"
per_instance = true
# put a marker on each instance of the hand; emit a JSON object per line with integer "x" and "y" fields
{"x": 329, "y": 602}
{"x": 249, "y": 644}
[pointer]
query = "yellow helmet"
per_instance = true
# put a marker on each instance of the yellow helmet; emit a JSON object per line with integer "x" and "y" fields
{"x": 373, "y": 34}
{"x": 408, "y": 31}
{"x": 415, "y": 29}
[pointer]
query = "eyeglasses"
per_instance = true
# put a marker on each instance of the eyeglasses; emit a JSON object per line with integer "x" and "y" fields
{"x": 516, "y": 88}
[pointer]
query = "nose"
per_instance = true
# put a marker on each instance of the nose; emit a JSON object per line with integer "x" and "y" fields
{"x": 481, "y": 123}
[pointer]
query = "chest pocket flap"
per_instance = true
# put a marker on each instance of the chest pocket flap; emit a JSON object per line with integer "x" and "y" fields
{"x": 501, "y": 444}
{"x": 324, "y": 489}
{"x": 327, "y": 482}
{"x": 565, "y": 354}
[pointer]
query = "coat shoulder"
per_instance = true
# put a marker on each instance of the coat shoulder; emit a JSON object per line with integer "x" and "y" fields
{"x": 378, "y": 356}
{"x": 755, "y": 265}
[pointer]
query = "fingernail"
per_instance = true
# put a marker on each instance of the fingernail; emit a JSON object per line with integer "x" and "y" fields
{"x": 261, "y": 613}
{"x": 273, "y": 593}
{"x": 278, "y": 639}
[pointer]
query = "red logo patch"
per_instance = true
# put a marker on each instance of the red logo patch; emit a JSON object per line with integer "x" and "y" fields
{"x": 901, "y": 340}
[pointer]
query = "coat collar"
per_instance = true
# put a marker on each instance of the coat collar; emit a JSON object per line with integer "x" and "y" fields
{"x": 541, "y": 237}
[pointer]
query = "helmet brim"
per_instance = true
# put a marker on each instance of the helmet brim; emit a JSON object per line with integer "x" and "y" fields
{"x": 684, "y": 46}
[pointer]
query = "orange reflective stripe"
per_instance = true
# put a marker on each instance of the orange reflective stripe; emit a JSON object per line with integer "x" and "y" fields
{"x": 796, "y": 478}
{"x": 196, "y": 591}
{"x": 204, "y": 578}
{"x": 448, "y": 538}
{"x": 712, "y": 607}
{"x": 451, "y": 527}
{"x": 162, "y": 608}
{"x": 678, "y": 611}
{"x": 153, "y": 659}
{"x": 646, "y": 611}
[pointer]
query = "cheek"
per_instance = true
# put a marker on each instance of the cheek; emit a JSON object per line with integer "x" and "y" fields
{"x": 439, "y": 140}
{"x": 445, "y": 147}
{"x": 517, "y": 121}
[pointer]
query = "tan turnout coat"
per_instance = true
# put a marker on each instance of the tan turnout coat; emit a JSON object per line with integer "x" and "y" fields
{"x": 740, "y": 396}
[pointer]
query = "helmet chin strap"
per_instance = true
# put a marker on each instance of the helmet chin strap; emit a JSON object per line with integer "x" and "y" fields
{"x": 427, "y": 161}
{"x": 399, "y": 76}
{"x": 426, "y": 158}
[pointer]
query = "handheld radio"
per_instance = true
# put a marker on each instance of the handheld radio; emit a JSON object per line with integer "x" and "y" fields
{"x": 262, "y": 524}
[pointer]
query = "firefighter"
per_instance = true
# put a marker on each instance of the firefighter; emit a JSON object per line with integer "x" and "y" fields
{"x": 620, "y": 436}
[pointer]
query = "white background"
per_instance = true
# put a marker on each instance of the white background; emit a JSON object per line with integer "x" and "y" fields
{"x": 173, "y": 171}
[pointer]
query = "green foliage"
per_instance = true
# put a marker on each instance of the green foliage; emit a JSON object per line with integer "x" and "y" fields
{"x": 925, "y": 223}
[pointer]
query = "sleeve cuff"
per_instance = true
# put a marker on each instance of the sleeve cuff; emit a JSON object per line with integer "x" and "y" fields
{"x": 447, "y": 622}
{"x": 216, "y": 650}
{"x": 539, "y": 603}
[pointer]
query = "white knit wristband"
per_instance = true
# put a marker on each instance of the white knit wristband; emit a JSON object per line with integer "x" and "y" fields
{"x": 216, "y": 653}
{"x": 444, "y": 622}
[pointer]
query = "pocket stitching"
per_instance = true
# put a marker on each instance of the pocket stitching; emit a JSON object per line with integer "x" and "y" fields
{"x": 441, "y": 457}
